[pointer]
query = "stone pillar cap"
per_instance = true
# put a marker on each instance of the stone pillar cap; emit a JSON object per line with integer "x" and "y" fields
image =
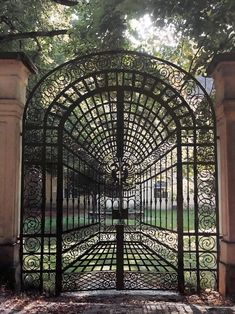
{"x": 21, "y": 56}
{"x": 221, "y": 57}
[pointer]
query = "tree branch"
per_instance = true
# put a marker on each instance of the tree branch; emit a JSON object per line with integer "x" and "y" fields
{"x": 68, "y": 3}
{"x": 6, "y": 20}
{"x": 10, "y": 37}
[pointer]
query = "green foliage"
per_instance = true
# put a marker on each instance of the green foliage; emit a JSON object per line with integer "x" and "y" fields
{"x": 200, "y": 28}
{"x": 18, "y": 17}
{"x": 203, "y": 27}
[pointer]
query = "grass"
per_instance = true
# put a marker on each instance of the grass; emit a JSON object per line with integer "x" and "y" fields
{"x": 159, "y": 218}
{"x": 168, "y": 219}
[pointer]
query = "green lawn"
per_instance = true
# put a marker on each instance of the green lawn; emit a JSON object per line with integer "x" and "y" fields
{"x": 165, "y": 219}
{"x": 168, "y": 219}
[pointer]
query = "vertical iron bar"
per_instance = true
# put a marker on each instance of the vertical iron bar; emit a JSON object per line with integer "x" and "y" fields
{"x": 180, "y": 214}
{"x": 73, "y": 193}
{"x": 151, "y": 196}
{"x": 84, "y": 205}
{"x": 79, "y": 194}
{"x": 104, "y": 205}
{"x": 120, "y": 123}
{"x": 68, "y": 189}
{"x": 120, "y": 226}
{"x": 141, "y": 202}
{"x": 43, "y": 210}
{"x": 143, "y": 197}
{"x": 217, "y": 202}
{"x": 120, "y": 257}
{"x": 155, "y": 195}
{"x": 172, "y": 192}
{"x": 59, "y": 216}
{"x": 188, "y": 199}
{"x": 166, "y": 194}
{"x": 89, "y": 204}
{"x": 147, "y": 198}
{"x": 160, "y": 196}
{"x": 99, "y": 205}
{"x": 22, "y": 209}
{"x": 196, "y": 206}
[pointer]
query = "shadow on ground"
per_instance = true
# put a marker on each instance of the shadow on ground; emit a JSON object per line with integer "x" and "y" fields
{"x": 106, "y": 304}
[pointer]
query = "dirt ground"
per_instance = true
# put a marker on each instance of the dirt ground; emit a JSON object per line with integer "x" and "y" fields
{"x": 207, "y": 302}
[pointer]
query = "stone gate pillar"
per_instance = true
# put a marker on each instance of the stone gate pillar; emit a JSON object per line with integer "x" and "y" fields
{"x": 222, "y": 69}
{"x": 15, "y": 69}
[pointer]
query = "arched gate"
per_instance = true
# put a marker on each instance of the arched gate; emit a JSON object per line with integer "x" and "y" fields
{"x": 119, "y": 178}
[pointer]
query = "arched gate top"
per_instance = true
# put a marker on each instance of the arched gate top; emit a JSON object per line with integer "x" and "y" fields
{"x": 94, "y": 96}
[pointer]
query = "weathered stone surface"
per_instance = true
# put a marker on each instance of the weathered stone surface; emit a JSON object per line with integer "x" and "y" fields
{"x": 223, "y": 72}
{"x": 14, "y": 72}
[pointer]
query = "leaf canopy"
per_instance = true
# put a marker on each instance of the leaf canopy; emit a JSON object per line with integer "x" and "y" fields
{"x": 53, "y": 31}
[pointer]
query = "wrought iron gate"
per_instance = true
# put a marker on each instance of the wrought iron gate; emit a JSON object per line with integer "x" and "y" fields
{"x": 119, "y": 178}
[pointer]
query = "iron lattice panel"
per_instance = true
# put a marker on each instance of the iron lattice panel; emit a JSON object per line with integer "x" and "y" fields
{"x": 97, "y": 266}
{"x": 89, "y": 281}
{"x": 147, "y": 281}
{"x": 119, "y": 137}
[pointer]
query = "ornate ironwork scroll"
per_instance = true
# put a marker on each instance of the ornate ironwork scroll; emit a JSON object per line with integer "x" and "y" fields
{"x": 148, "y": 280}
{"x": 114, "y": 119}
{"x": 89, "y": 281}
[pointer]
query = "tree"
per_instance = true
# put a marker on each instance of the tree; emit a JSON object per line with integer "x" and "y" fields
{"x": 208, "y": 24}
{"x": 52, "y": 31}
{"x": 203, "y": 27}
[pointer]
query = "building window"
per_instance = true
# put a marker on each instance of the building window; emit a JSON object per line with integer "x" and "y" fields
{"x": 160, "y": 189}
